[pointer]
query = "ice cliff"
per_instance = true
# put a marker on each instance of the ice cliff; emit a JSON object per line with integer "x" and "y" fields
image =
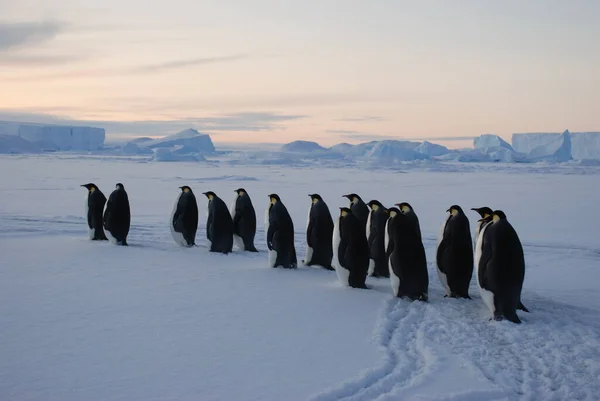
{"x": 56, "y": 137}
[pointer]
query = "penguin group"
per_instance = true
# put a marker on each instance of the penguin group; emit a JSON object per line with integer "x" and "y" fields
{"x": 366, "y": 239}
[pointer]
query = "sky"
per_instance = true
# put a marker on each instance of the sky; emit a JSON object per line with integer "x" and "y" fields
{"x": 280, "y": 70}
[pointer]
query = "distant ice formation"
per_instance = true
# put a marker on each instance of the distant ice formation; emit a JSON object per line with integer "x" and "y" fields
{"x": 190, "y": 138}
{"x": 56, "y": 137}
{"x": 544, "y": 147}
{"x": 12, "y": 144}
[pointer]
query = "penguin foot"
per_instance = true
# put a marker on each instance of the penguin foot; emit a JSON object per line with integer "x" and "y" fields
{"x": 522, "y": 307}
{"x": 330, "y": 268}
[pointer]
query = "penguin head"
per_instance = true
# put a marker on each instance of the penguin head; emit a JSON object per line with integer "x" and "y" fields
{"x": 393, "y": 212}
{"x": 375, "y": 204}
{"x": 352, "y": 197}
{"x": 455, "y": 210}
{"x": 274, "y": 198}
{"x": 119, "y": 186}
{"x": 483, "y": 211}
{"x": 90, "y": 187}
{"x": 344, "y": 211}
{"x": 210, "y": 195}
{"x": 315, "y": 198}
{"x": 498, "y": 215}
{"x": 240, "y": 191}
{"x": 404, "y": 207}
{"x": 185, "y": 188}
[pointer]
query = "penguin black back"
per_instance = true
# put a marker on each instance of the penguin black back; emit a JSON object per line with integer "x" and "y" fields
{"x": 501, "y": 268}
{"x": 185, "y": 218}
{"x": 319, "y": 234}
{"x": 117, "y": 216}
{"x": 244, "y": 221}
{"x": 95, "y": 202}
{"x": 352, "y": 250}
{"x": 454, "y": 255}
{"x": 219, "y": 226}
{"x": 376, "y": 222}
{"x": 408, "y": 264}
{"x": 358, "y": 208}
{"x": 280, "y": 235}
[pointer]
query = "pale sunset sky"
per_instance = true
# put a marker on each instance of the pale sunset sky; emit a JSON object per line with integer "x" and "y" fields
{"x": 281, "y": 70}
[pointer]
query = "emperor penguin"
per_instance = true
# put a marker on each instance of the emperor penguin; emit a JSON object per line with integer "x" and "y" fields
{"x": 184, "y": 218}
{"x": 408, "y": 210}
{"x": 455, "y": 254}
{"x": 319, "y": 234}
{"x": 244, "y": 221}
{"x": 219, "y": 226}
{"x": 359, "y": 208}
{"x": 94, "y": 207}
{"x": 279, "y": 229}
{"x": 350, "y": 250}
{"x": 378, "y": 265}
{"x": 117, "y": 216}
{"x": 407, "y": 262}
{"x": 484, "y": 212}
{"x": 500, "y": 267}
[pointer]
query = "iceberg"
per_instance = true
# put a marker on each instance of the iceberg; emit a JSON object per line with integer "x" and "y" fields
{"x": 490, "y": 141}
{"x": 585, "y": 145}
{"x": 171, "y": 155}
{"x": 544, "y": 147}
{"x": 432, "y": 149}
{"x": 12, "y": 144}
{"x": 56, "y": 137}
{"x": 190, "y": 138}
{"x": 303, "y": 147}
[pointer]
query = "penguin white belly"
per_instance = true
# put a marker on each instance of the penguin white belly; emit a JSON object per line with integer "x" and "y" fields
{"x": 386, "y": 236}
{"x": 237, "y": 240}
{"x": 486, "y": 296}
{"x": 309, "y": 250}
{"x": 394, "y": 280}
{"x": 178, "y": 237}
{"x": 272, "y": 254}
{"x": 368, "y": 230}
{"x": 442, "y": 275}
{"x": 87, "y": 210}
{"x": 342, "y": 274}
{"x": 109, "y": 235}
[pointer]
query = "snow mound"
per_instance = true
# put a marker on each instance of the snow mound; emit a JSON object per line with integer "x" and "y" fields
{"x": 431, "y": 149}
{"x": 141, "y": 139}
{"x": 171, "y": 155}
{"x": 490, "y": 141}
{"x": 56, "y": 137}
{"x": 557, "y": 150}
{"x": 10, "y": 144}
{"x": 302, "y": 147}
{"x": 585, "y": 145}
{"x": 190, "y": 138}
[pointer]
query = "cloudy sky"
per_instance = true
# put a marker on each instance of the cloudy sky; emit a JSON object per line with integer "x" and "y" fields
{"x": 324, "y": 70}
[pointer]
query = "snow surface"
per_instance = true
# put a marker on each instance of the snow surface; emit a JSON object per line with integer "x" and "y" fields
{"x": 56, "y": 137}
{"x": 86, "y": 320}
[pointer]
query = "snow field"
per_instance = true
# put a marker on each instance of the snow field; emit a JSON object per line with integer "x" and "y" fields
{"x": 153, "y": 321}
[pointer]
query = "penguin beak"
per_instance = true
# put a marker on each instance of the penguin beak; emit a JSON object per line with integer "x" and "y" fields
{"x": 448, "y": 210}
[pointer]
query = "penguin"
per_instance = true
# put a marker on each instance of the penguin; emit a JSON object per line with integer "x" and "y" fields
{"x": 219, "y": 226}
{"x": 484, "y": 212}
{"x": 407, "y": 262}
{"x": 408, "y": 210}
{"x": 319, "y": 234}
{"x": 244, "y": 221}
{"x": 184, "y": 218}
{"x": 358, "y": 208}
{"x": 378, "y": 265}
{"x": 117, "y": 216}
{"x": 455, "y": 254}
{"x": 279, "y": 229}
{"x": 500, "y": 267}
{"x": 350, "y": 250}
{"x": 94, "y": 206}
{"x": 486, "y": 215}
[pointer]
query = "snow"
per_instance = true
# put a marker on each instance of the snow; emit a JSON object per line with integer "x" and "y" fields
{"x": 190, "y": 138}
{"x": 81, "y": 319}
{"x": 14, "y": 144}
{"x": 56, "y": 137}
